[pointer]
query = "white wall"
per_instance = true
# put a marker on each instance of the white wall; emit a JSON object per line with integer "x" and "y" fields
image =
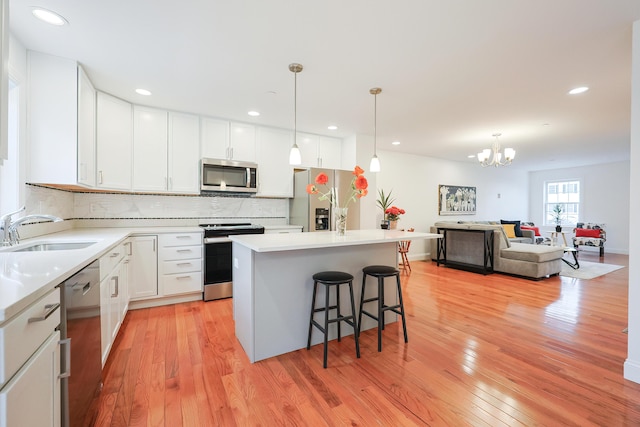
{"x": 632, "y": 364}
{"x": 414, "y": 181}
{"x": 604, "y": 194}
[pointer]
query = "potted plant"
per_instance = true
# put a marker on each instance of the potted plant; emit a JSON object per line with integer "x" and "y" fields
{"x": 393, "y": 215}
{"x": 384, "y": 202}
{"x": 557, "y": 217}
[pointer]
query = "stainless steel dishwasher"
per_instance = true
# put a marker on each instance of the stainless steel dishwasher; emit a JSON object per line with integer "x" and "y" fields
{"x": 80, "y": 322}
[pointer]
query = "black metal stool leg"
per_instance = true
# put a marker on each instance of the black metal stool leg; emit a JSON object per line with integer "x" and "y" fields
{"x": 404, "y": 320}
{"x": 326, "y": 326}
{"x": 313, "y": 309}
{"x": 364, "y": 280}
{"x": 380, "y": 312}
{"x": 356, "y": 329}
{"x": 338, "y": 314}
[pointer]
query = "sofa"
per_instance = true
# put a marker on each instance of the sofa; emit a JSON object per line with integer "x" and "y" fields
{"x": 510, "y": 257}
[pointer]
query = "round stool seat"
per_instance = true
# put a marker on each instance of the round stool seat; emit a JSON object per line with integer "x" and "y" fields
{"x": 380, "y": 270}
{"x": 332, "y": 277}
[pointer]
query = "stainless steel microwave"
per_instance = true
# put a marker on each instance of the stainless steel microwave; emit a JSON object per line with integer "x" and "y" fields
{"x": 228, "y": 175}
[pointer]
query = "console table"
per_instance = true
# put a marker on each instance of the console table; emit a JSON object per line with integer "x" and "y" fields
{"x": 487, "y": 236}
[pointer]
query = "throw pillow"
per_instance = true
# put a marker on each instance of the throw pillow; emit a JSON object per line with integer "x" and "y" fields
{"x": 510, "y": 230}
{"x": 588, "y": 232}
{"x": 536, "y": 230}
{"x": 516, "y": 224}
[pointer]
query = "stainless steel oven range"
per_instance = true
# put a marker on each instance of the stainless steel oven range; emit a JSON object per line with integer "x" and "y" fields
{"x": 218, "y": 258}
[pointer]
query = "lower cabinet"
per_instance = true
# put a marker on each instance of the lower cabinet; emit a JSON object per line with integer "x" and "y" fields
{"x": 181, "y": 263}
{"x": 113, "y": 296}
{"x": 32, "y": 397}
{"x": 143, "y": 267}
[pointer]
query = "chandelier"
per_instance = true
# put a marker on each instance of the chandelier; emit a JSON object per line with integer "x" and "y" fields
{"x": 493, "y": 156}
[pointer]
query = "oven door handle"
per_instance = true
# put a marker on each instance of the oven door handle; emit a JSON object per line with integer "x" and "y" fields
{"x": 209, "y": 240}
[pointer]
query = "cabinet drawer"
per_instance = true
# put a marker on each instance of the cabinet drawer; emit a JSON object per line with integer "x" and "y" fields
{"x": 180, "y": 239}
{"x": 182, "y": 266}
{"x": 109, "y": 260}
{"x": 174, "y": 284}
{"x": 21, "y": 336}
{"x": 181, "y": 252}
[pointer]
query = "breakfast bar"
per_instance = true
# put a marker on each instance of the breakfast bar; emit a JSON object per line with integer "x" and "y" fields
{"x": 272, "y": 282}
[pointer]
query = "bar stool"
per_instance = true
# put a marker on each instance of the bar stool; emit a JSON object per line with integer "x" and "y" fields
{"x": 330, "y": 279}
{"x": 381, "y": 272}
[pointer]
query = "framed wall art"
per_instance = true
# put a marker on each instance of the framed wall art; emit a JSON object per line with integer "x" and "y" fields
{"x": 456, "y": 200}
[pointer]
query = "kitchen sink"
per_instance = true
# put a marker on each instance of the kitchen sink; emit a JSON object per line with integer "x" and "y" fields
{"x": 53, "y": 246}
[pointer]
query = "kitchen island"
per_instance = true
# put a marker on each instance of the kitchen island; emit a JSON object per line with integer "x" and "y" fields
{"x": 272, "y": 282}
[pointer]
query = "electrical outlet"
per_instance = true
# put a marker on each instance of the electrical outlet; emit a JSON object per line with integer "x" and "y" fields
{"x": 92, "y": 207}
{"x": 235, "y": 263}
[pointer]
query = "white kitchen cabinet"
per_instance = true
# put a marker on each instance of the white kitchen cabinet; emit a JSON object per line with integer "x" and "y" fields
{"x": 180, "y": 263}
{"x": 283, "y": 229}
{"x": 149, "y": 149}
{"x": 220, "y": 139}
{"x": 184, "y": 153}
{"x": 143, "y": 269}
{"x": 61, "y": 122}
{"x": 114, "y": 139}
{"x": 30, "y": 365}
{"x": 242, "y": 143}
{"x": 111, "y": 295}
{"x": 214, "y": 138}
{"x": 32, "y": 397}
{"x": 86, "y": 130}
{"x": 320, "y": 151}
{"x": 275, "y": 174}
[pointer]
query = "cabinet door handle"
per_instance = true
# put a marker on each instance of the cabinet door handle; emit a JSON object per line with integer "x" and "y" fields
{"x": 184, "y": 264}
{"x": 99, "y": 177}
{"x": 183, "y": 237}
{"x": 183, "y": 250}
{"x": 82, "y": 286}
{"x": 115, "y": 294}
{"x": 170, "y": 183}
{"x": 231, "y": 153}
{"x": 183, "y": 277}
{"x": 114, "y": 254}
{"x": 49, "y": 309}
{"x": 67, "y": 365}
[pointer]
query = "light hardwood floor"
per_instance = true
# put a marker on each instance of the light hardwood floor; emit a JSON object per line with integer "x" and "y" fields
{"x": 483, "y": 350}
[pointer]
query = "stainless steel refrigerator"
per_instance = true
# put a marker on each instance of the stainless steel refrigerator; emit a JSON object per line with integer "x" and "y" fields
{"x": 316, "y": 215}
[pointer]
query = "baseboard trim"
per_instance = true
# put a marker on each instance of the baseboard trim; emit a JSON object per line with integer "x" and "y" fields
{"x": 632, "y": 370}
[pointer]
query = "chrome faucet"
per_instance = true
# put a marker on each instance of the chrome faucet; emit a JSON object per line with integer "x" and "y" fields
{"x": 10, "y": 234}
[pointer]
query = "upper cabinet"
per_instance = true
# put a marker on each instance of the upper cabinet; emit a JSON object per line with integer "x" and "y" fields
{"x": 114, "y": 136}
{"x": 221, "y": 139}
{"x": 184, "y": 153}
{"x": 320, "y": 151}
{"x": 86, "y": 130}
{"x": 149, "y": 149}
{"x": 275, "y": 174}
{"x": 60, "y": 116}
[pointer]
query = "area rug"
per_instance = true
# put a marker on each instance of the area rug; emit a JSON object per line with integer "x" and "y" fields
{"x": 588, "y": 270}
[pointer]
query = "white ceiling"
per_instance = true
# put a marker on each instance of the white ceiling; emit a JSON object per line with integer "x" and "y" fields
{"x": 452, "y": 72}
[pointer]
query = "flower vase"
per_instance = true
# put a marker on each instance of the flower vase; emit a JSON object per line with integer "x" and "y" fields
{"x": 340, "y": 216}
{"x": 393, "y": 224}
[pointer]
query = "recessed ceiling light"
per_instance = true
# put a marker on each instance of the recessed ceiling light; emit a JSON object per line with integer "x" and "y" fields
{"x": 578, "y": 90}
{"x": 48, "y": 16}
{"x": 143, "y": 92}
{"x": 471, "y": 156}
{"x": 332, "y": 127}
{"x": 253, "y": 113}
{"x": 395, "y": 143}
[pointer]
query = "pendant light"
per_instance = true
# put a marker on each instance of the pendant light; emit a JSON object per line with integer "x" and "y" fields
{"x": 374, "y": 166}
{"x": 295, "y": 158}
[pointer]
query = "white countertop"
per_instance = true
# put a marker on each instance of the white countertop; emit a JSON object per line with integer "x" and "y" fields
{"x": 325, "y": 239}
{"x": 27, "y": 276}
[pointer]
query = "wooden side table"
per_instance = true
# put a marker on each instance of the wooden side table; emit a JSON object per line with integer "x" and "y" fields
{"x": 554, "y": 237}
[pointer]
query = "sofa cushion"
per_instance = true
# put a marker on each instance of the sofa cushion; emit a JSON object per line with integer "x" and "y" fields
{"x": 532, "y": 253}
{"x": 536, "y": 230}
{"x": 509, "y": 229}
{"x": 587, "y": 232}
{"x": 516, "y": 226}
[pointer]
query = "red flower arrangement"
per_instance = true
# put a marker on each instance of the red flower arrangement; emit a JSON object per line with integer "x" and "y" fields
{"x": 359, "y": 186}
{"x": 393, "y": 213}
